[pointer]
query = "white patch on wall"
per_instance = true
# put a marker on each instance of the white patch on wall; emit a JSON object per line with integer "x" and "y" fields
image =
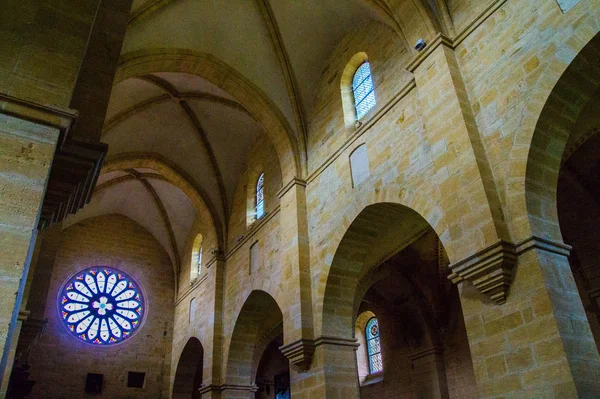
{"x": 566, "y": 5}
{"x": 191, "y": 316}
{"x": 359, "y": 165}
{"x": 254, "y": 258}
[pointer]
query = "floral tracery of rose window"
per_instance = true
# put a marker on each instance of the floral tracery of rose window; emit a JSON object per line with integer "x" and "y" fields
{"x": 101, "y": 306}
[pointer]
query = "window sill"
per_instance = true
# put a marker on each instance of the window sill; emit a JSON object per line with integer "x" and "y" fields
{"x": 372, "y": 379}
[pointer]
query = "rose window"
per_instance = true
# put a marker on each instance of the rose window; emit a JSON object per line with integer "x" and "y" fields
{"x": 101, "y": 306}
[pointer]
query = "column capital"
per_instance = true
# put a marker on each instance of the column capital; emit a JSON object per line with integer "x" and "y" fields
{"x": 289, "y": 185}
{"x": 491, "y": 269}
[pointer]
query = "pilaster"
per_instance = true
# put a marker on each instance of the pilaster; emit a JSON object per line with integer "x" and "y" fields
{"x": 298, "y": 329}
{"x": 332, "y": 374}
{"x": 228, "y": 391}
{"x": 29, "y": 134}
{"x": 538, "y": 342}
{"x": 429, "y": 372}
{"x": 473, "y": 209}
{"x": 213, "y": 366}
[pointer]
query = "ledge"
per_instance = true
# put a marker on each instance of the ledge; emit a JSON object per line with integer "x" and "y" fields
{"x": 284, "y": 190}
{"x": 371, "y": 379}
{"x": 490, "y": 270}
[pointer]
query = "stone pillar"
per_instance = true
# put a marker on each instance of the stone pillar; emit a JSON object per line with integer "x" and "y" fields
{"x": 429, "y": 372}
{"x": 473, "y": 208}
{"x": 539, "y": 342}
{"x": 228, "y": 391}
{"x": 297, "y": 304}
{"x": 213, "y": 361}
{"x": 333, "y": 373}
{"x": 28, "y": 137}
{"x": 12, "y": 351}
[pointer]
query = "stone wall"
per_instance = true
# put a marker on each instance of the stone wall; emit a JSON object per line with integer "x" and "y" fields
{"x": 60, "y": 363}
{"x": 26, "y": 151}
{"x": 41, "y": 48}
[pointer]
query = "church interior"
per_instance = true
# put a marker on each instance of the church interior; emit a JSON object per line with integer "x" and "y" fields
{"x": 275, "y": 199}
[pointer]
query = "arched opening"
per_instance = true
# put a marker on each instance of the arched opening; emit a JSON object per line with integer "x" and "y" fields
{"x": 575, "y": 127}
{"x": 347, "y": 87}
{"x": 188, "y": 377}
{"x": 553, "y": 133}
{"x": 391, "y": 267}
{"x": 254, "y": 360}
{"x": 196, "y": 258}
{"x": 273, "y": 372}
{"x": 562, "y": 204}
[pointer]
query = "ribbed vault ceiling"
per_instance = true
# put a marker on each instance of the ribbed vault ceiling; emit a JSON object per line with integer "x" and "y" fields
{"x": 279, "y": 50}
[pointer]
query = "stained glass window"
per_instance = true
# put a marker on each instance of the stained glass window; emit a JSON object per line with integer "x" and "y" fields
{"x": 260, "y": 196}
{"x": 364, "y": 93}
{"x": 199, "y": 265}
{"x": 373, "y": 346}
{"x": 196, "y": 258}
{"x": 101, "y": 306}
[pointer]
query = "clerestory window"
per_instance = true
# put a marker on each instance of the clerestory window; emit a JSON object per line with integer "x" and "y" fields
{"x": 363, "y": 90}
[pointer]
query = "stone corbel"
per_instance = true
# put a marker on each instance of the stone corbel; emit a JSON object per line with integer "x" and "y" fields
{"x": 490, "y": 270}
{"x": 299, "y": 353}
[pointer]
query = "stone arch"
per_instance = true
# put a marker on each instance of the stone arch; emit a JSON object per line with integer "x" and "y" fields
{"x": 379, "y": 231}
{"x": 563, "y": 89}
{"x": 258, "y": 318}
{"x": 179, "y": 178}
{"x": 394, "y": 195}
{"x": 217, "y": 72}
{"x": 188, "y": 376}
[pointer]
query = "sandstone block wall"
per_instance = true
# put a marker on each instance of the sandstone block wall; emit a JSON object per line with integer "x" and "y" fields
{"x": 60, "y": 363}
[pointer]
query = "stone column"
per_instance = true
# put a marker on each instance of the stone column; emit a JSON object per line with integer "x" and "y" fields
{"x": 213, "y": 366}
{"x": 429, "y": 372}
{"x": 472, "y": 205}
{"x": 297, "y": 304}
{"x": 539, "y": 342}
{"x": 228, "y": 391}
{"x": 28, "y": 137}
{"x": 333, "y": 373}
{"x": 12, "y": 351}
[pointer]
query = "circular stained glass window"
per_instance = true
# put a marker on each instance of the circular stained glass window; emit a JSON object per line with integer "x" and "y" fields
{"x": 101, "y": 306}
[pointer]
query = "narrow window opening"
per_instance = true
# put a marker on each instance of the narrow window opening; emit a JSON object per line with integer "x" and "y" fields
{"x": 196, "y": 258}
{"x": 373, "y": 346}
{"x": 260, "y": 196}
{"x": 363, "y": 90}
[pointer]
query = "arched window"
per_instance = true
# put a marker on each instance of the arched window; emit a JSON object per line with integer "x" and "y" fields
{"x": 364, "y": 93}
{"x": 373, "y": 346}
{"x": 196, "y": 261}
{"x": 260, "y": 196}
